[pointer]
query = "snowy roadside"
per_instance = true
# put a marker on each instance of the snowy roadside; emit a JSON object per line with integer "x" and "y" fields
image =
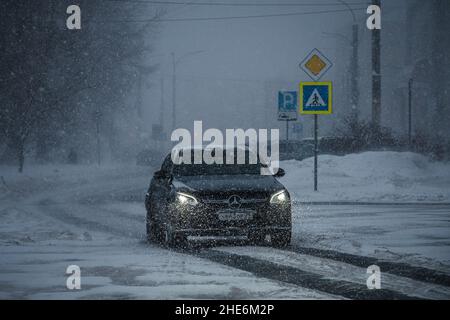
{"x": 389, "y": 177}
{"x": 400, "y": 226}
{"x": 37, "y": 179}
{"x": 412, "y": 234}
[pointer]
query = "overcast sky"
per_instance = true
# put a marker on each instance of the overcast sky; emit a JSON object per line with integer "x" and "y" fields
{"x": 250, "y": 50}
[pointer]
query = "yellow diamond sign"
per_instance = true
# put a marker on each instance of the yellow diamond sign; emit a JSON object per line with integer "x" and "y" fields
{"x": 315, "y": 64}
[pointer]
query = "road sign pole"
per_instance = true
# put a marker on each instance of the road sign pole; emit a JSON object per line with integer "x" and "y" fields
{"x": 316, "y": 150}
{"x": 287, "y": 129}
{"x": 410, "y": 82}
{"x": 317, "y": 99}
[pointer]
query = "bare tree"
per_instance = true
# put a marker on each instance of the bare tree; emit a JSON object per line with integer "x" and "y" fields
{"x": 51, "y": 75}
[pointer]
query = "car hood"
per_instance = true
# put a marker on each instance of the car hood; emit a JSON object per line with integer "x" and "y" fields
{"x": 224, "y": 183}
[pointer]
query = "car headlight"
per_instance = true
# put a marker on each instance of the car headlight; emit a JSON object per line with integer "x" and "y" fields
{"x": 184, "y": 198}
{"x": 280, "y": 197}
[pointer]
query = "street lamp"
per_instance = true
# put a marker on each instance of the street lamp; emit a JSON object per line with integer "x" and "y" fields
{"x": 174, "y": 82}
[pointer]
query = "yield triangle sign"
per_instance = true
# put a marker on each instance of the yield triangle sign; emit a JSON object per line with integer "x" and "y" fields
{"x": 315, "y": 100}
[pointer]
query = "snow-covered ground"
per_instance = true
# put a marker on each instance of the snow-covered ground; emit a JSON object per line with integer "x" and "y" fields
{"x": 370, "y": 176}
{"x": 341, "y": 271}
{"x": 123, "y": 269}
{"x": 55, "y": 216}
{"x": 51, "y": 219}
{"x": 415, "y": 234}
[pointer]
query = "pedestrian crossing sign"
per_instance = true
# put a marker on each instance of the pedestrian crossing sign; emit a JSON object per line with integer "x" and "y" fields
{"x": 315, "y": 97}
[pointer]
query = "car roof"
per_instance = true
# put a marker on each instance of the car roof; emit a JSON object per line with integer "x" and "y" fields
{"x": 210, "y": 147}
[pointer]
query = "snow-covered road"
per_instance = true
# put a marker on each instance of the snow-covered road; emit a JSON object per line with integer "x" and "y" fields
{"x": 96, "y": 220}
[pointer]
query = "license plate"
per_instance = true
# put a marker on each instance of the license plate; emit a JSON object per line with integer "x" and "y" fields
{"x": 232, "y": 216}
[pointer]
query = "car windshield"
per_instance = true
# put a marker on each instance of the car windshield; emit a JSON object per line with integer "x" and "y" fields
{"x": 217, "y": 169}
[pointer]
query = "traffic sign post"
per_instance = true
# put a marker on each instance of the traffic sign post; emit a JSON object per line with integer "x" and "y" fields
{"x": 287, "y": 129}
{"x": 315, "y": 98}
{"x": 297, "y": 129}
{"x": 316, "y": 149}
{"x": 287, "y": 108}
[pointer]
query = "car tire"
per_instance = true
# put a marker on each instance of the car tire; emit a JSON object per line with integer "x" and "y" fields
{"x": 167, "y": 236}
{"x": 152, "y": 228}
{"x": 172, "y": 239}
{"x": 281, "y": 239}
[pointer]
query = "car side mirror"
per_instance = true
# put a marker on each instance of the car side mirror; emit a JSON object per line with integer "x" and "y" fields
{"x": 280, "y": 173}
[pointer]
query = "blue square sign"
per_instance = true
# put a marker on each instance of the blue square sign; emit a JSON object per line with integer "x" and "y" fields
{"x": 315, "y": 98}
{"x": 287, "y": 105}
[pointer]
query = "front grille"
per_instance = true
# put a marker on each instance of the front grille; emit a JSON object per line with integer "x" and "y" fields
{"x": 223, "y": 197}
{"x": 226, "y": 201}
{"x": 220, "y": 202}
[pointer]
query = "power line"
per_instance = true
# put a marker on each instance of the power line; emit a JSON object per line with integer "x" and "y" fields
{"x": 190, "y": 77}
{"x": 156, "y": 20}
{"x": 237, "y": 4}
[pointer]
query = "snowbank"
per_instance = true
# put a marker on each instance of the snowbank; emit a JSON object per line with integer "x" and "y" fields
{"x": 370, "y": 176}
{"x": 40, "y": 178}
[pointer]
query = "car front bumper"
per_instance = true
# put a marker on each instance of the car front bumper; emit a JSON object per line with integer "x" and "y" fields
{"x": 267, "y": 219}
{"x": 230, "y": 234}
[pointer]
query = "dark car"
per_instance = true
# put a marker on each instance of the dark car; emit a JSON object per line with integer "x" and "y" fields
{"x": 217, "y": 202}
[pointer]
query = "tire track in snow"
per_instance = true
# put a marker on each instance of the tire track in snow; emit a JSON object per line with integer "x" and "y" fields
{"x": 59, "y": 213}
{"x": 337, "y": 270}
{"x": 396, "y": 268}
{"x": 296, "y": 276}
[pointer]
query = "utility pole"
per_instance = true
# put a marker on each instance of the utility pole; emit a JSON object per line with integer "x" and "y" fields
{"x": 161, "y": 111}
{"x": 174, "y": 92}
{"x": 97, "y": 116}
{"x": 142, "y": 72}
{"x": 161, "y": 117}
{"x": 376, "y": 72}
{"x": 354, "y": 70}
{"x": 174, "y": 84}
{"x": 410, "y": 83}
{"x": 138, "y": 104}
